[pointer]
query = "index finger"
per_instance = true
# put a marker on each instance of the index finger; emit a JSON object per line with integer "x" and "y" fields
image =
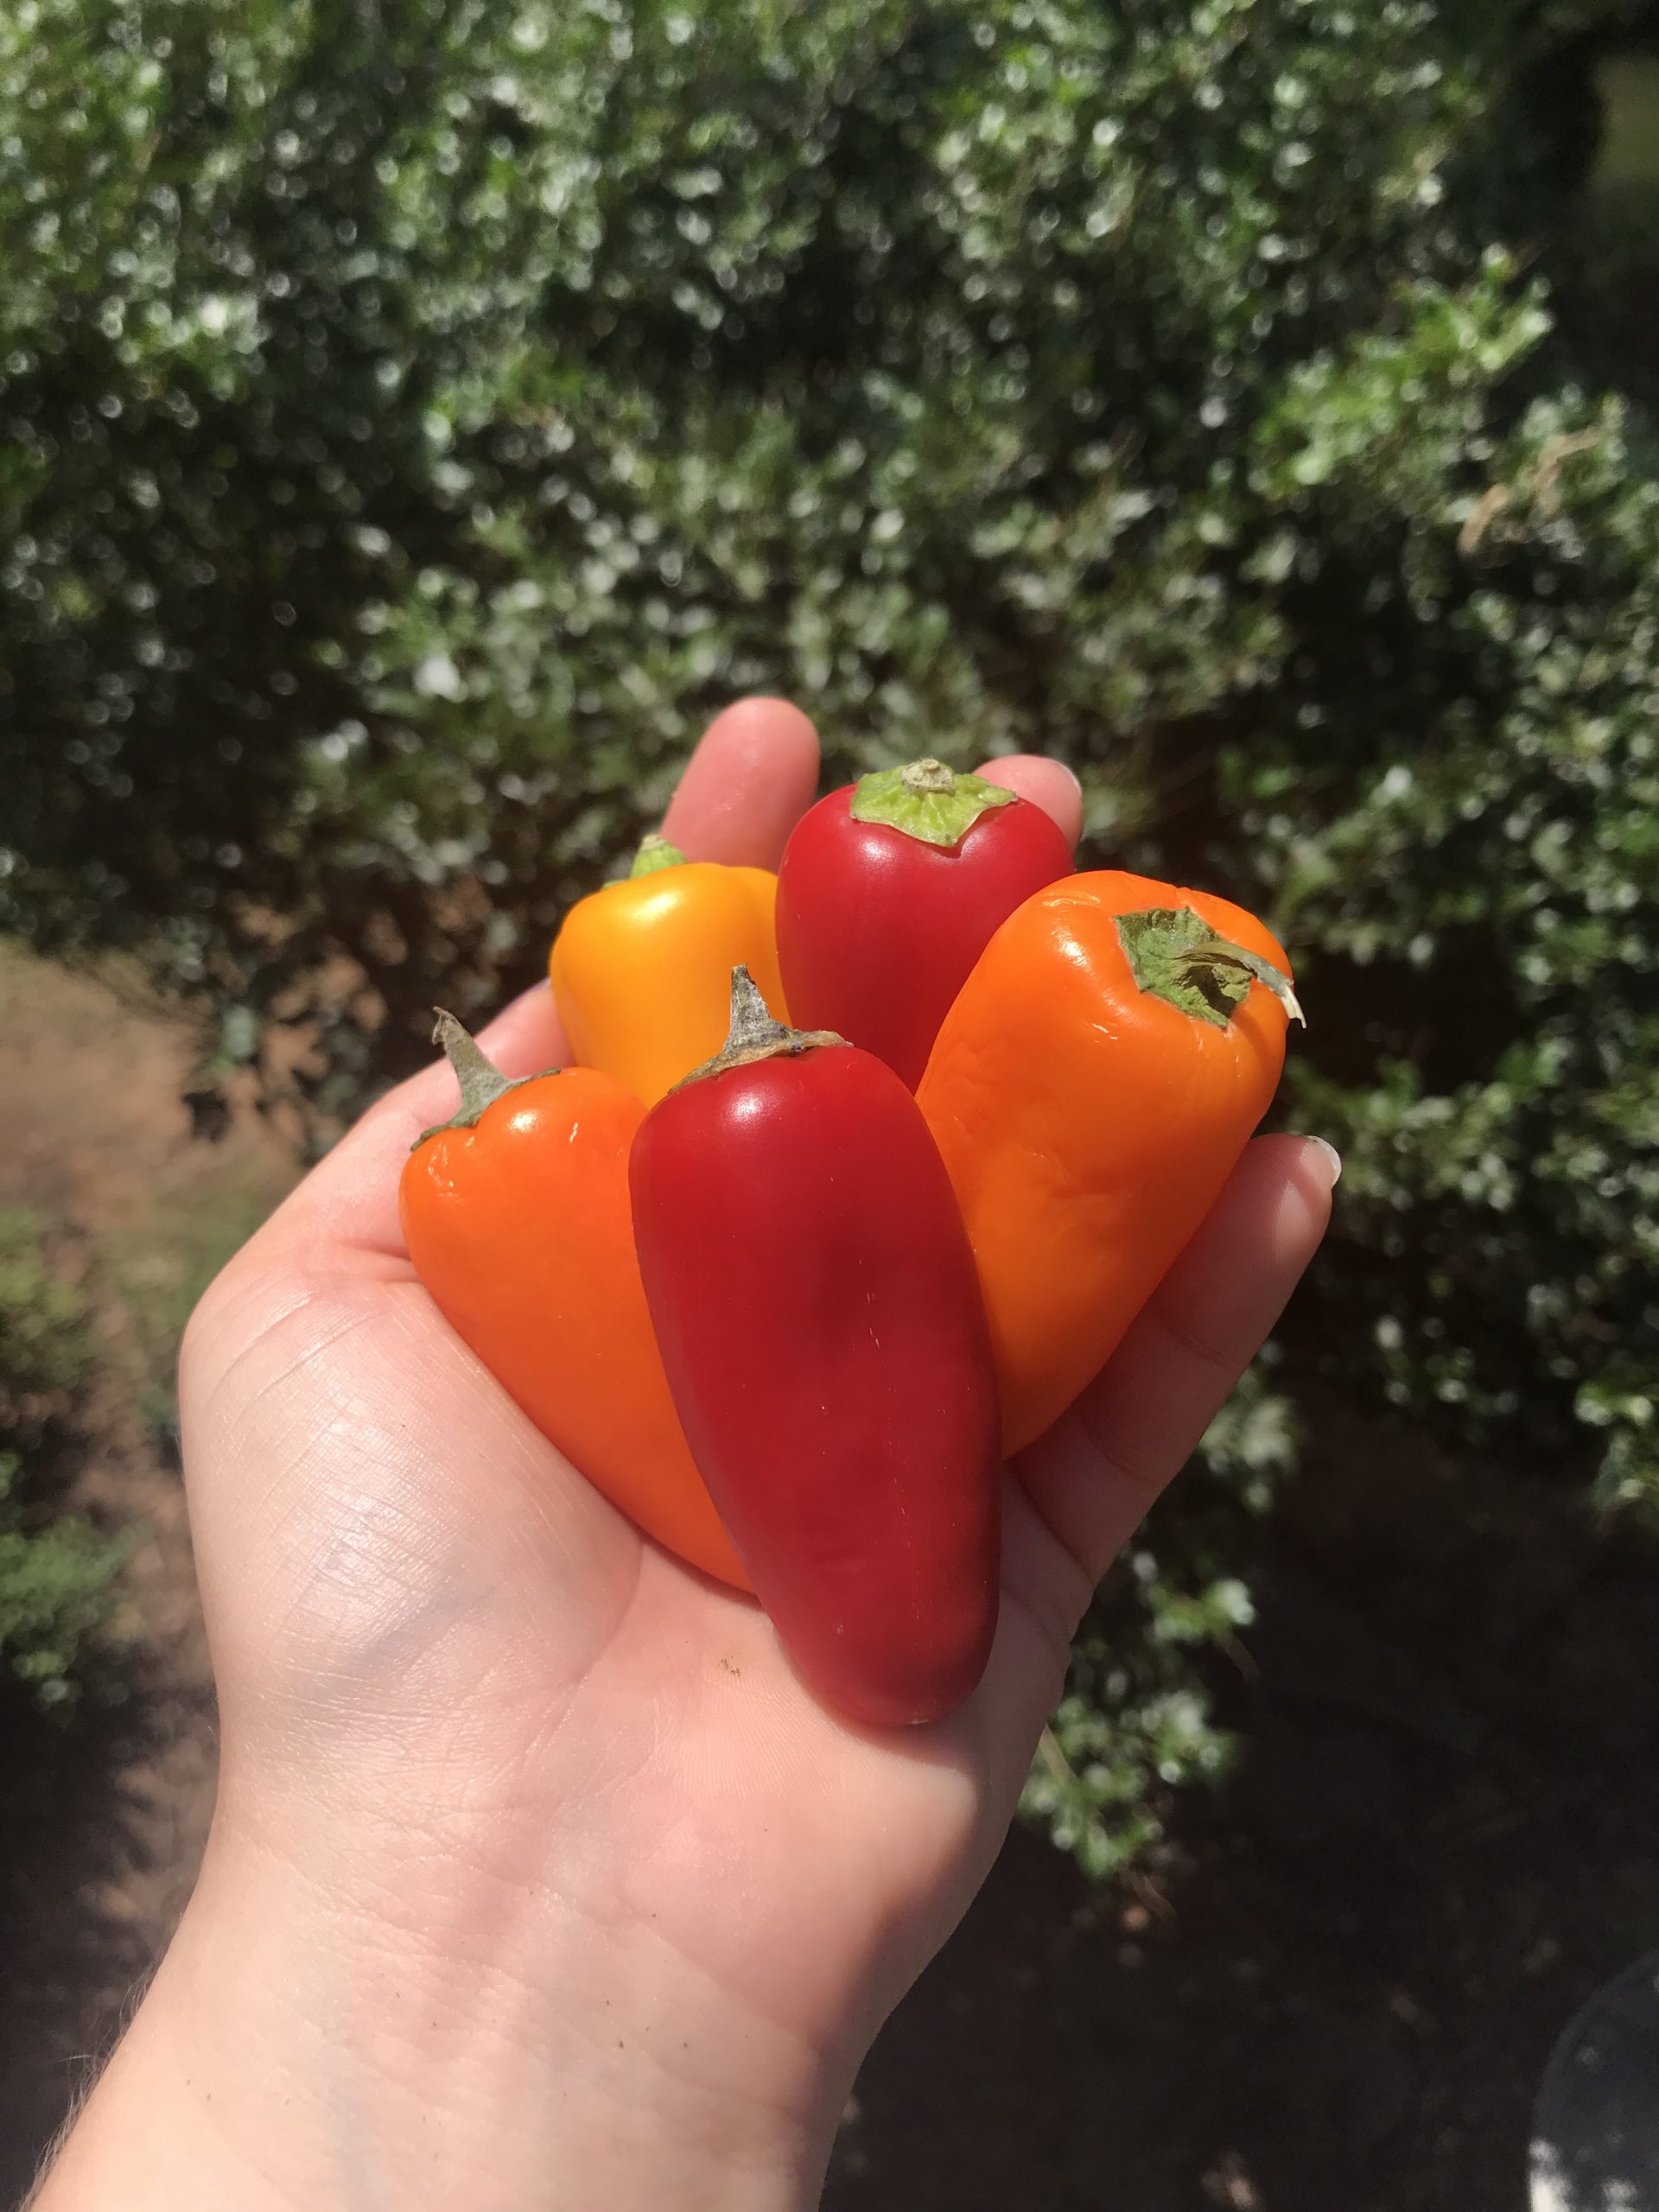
{"x": 1048, "y": 783}
{"x": 750, "y": 780}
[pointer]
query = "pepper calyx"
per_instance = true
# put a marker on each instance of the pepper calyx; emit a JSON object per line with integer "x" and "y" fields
{"x": 756, "y": 1034}
{"x": 1176, "y": 954}
{"x": 481, "y": 1082}
{"x": 926, "y": 800}
{"x": 656, "y": 852}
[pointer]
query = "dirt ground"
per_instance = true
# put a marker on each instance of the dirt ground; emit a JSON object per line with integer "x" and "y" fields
{"x": 1335, "y": 1994}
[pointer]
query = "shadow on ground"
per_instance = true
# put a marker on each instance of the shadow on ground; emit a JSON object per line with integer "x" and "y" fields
{"x": 100, "y": 1819}
{"x": 1344, "y": 1991}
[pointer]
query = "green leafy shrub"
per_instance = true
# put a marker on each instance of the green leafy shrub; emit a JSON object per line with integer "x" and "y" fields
{"x": 55, "y": 1569}
{"x": 414, "y": 427}
{"x": 54, "y": 1578}
{"x": 45, "y": 1345}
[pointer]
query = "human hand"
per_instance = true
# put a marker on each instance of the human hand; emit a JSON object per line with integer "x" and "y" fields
{"x": 537, "y": 1877}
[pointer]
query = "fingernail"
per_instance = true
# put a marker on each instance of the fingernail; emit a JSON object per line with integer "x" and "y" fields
{"x": 1332, "y": 1159}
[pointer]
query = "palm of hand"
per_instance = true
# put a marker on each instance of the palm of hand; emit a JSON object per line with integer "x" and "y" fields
{"x": 435, "y": 1643}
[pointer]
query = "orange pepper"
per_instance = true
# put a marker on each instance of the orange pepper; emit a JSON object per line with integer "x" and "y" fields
{"x": 1090, "y": 1091}
{"x": 642, "y": 970}
{"x": 517, "y": 1218}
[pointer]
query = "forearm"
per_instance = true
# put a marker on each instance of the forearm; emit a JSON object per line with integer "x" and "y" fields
{"x": 281, "y": 2060}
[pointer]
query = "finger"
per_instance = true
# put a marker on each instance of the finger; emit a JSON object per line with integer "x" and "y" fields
{"x": 754, "y": 773}
{"x": 1048, "y": 783}
{"x": 1094, "y": 1474}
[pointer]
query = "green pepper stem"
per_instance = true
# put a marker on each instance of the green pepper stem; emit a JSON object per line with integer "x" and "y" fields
{"x": 929, "y": 778}
{"x": 1223, "y": 954}
{"x": 655, "y": 852}
{"x": 754, "y": 1028}
{"x": 481, "y": 1082}
{"x": 756, "y": 1034}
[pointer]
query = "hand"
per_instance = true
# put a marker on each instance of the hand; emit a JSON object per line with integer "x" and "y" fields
{"x": 537, "y": 1879}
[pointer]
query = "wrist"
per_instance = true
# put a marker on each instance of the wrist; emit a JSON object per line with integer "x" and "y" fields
{"x": 301, "y": 2047}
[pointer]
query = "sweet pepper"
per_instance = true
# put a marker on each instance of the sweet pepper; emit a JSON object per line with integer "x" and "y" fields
{"x": 516, "y": 1214}
{"x": 642, "y": 970}
{"x": 814, "y": 1296}
{"x": 889, "y": 891}
{"x": 1090, "y": 1091}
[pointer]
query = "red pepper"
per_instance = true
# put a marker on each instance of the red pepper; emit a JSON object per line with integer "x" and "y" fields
{"x": 817, "y": 1311}
{"x": 889, "y": 891}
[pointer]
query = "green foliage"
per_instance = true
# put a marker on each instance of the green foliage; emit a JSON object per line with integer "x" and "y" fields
{"x": 54, "y": 1571}
{"x": 54, "y": 1578}
{"x": 415, "y": 422}
{"x": 45, "y": 1348}
{"x": 1476, "y": 869}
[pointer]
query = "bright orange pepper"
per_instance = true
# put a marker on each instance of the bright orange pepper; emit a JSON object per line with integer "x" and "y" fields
{"x": 1090, "y": 1091}
{"x": 517, "y": 1218}
{"x": 642, "y": 970}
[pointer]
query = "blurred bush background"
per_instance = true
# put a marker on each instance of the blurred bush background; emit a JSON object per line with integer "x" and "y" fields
{"x": 53, "y": 1567}
{"x": 416, "y": 420}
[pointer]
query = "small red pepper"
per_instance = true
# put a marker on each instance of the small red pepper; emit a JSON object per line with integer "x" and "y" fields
{"x": 889, "y": 891}
{"x": 815, "y": 1304}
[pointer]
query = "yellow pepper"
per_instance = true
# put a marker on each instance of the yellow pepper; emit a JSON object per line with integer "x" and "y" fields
{"x": 642, "y": 970}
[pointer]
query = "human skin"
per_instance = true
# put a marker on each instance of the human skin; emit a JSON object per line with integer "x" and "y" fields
{"x": 537, "y": 1879}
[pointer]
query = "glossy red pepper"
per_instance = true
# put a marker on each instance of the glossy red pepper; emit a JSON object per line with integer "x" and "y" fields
{"x": 889, "y": 891}
{"x": 817, "y": 1311}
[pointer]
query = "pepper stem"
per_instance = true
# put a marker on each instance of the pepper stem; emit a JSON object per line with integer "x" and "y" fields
{"x": 1176, "y": 954}
{"x": 754, "y": 1028}
{"x": 928, "y": 778}
{"x": 1224, "y": 955}
{"x": 756, "y": 1034}
{"x": 481, "y": 1082}
{"x": 655, "y": 852}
